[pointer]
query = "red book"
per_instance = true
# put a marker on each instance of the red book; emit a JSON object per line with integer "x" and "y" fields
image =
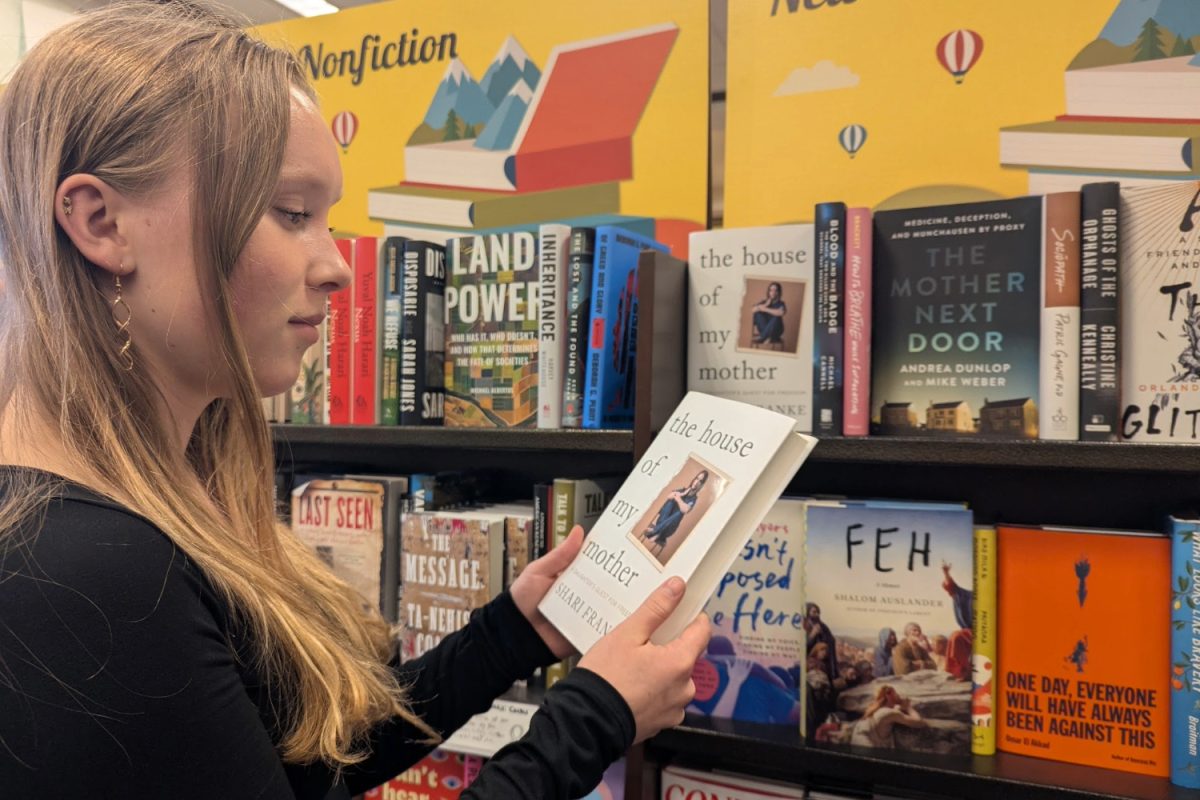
{"x": 579, "y": 126}
{"x": 364, "y": 332}
{"x": 337, "y": 349}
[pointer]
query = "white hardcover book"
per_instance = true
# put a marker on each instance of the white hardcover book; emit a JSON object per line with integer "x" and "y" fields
{"x": 1058, "y": 383}
{"x": 552, "y": 310}
{"x": 1159, "y": 294}
{"x": 750, "y": 312}
{"x": 681, "y": 783}
{"x": 687, "y": 509}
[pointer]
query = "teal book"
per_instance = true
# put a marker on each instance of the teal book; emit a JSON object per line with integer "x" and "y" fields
{"x": 889, "y": 618}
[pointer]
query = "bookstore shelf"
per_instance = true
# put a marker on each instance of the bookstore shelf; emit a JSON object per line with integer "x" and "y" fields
{"x": 1010, "y": 453}
{"x": 776, "y": 751}
{"x": 352, "y": 437}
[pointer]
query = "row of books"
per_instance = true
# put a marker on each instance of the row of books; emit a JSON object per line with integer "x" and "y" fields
{"x": 444, "y": 775}
{"x": 1071, "y": 316}
{"x": 881, "y": 624}
{"x": 533, "y": 326}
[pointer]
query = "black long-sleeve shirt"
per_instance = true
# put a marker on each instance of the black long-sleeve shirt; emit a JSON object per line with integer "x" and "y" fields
{"x": 120, "y": 677}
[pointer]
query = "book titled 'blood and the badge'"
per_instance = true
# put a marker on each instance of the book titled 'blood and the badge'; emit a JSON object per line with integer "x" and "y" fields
{"x": 687, "y": 509}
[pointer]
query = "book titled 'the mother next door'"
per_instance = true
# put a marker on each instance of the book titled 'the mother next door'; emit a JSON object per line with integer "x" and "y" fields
{"x": 688, "y": 508}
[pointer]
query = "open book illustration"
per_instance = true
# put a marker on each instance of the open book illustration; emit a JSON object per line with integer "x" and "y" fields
{"x": 574, "y": 127}
{"x": 688, "y": 509}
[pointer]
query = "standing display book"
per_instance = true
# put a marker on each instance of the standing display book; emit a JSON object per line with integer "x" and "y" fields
{"x": 687, "y": 509}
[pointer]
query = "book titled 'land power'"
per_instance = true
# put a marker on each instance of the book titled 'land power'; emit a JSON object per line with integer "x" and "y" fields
{"x": 687, "y": 509}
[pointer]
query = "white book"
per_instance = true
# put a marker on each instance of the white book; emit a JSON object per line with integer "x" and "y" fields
{"x": 681, "y": 783}
{"x": 687, "y": 509}
{"x": 1159, "y": 296}
{"x": 1058, "y": 382}
{"x": 750, "y": 317}
{"x": 1049, "y": 181}
{"x": 552, "y": 312}
{"x": 1163, "y": 88}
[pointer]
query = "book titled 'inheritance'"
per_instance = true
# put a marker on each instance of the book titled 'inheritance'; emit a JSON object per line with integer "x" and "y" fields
{"x": 687, "y": 509}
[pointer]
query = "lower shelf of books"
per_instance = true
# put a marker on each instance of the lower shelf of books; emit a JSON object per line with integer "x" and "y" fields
{"x": 777, "y": 752}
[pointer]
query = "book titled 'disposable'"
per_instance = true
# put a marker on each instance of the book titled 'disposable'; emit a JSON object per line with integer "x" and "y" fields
{"x": 692, "y": 501}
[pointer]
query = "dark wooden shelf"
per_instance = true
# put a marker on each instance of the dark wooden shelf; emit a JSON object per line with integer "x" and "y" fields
{"x": 355, "y": 436}
{"x": 777, "y": 752}
{"x": 1092, "y": 456}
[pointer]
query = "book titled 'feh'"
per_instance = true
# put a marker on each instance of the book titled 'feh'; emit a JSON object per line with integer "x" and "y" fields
{"x": 492, "y": 331}
{"x": 955, "y": 335}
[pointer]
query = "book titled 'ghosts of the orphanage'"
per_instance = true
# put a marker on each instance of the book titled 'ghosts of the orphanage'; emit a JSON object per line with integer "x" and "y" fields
{"x": 687, "y": 509}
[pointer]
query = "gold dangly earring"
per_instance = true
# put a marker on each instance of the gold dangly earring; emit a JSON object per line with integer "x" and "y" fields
{"x": 122, "y": 314}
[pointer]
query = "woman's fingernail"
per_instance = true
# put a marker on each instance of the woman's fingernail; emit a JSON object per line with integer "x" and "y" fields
{"x": 675, "y": 585}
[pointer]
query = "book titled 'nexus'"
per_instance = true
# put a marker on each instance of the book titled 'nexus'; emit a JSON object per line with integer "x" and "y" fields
{"x": 688, "y": 508}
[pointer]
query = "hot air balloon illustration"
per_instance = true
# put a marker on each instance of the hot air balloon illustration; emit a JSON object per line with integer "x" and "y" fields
{"x": 852, "y": 138}
{"x": 345, "y": 125}
{"x": 958, "y": 51}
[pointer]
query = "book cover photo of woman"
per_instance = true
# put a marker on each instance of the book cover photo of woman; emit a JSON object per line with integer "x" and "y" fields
{"x": 673, "y": 515}
{"x": 770, "y": 315}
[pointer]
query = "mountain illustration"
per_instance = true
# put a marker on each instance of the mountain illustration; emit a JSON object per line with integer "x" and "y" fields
{"x": 1144, "y": 30}
{"x": 502, "y": 128}
{"x": 460, "y": 95}
{"x": 1179, "y": 17}
{"x": 511, "y": 64}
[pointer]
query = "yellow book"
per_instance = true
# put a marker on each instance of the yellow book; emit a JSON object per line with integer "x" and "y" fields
{"x": 983, "y": 656}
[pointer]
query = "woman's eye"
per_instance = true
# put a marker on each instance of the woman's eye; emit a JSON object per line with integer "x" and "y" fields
{"x": 294, "y": 217}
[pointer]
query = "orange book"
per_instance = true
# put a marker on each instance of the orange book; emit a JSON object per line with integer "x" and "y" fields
{"x": 1084, "y": 639}
{"x": 338, "y": 373}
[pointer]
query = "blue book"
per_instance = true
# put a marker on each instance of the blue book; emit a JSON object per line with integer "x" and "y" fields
{"x": 608, "y": 379}
{"x": 1185, "y": 652}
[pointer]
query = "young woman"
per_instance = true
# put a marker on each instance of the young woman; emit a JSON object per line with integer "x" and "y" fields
{"x": 165, "y": 185}
{"x": 678, "y": 504}
{"x": 767, "y": 321}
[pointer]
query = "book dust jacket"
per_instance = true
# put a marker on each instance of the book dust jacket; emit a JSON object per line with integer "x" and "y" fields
{"x": 447, "y": 566}
{"x": 889, "y": 616}
{"x": 1160, "y": 314}
{"x": 955, "y": 338}
{"x": 1084, "y": 641}
{"x": 492, "y": 331}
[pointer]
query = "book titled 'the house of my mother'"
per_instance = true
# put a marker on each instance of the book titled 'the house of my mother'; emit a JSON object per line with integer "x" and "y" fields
{"x": 687, "y": 509}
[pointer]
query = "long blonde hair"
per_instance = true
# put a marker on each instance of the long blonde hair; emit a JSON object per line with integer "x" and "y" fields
{"x": 124, "y": 93}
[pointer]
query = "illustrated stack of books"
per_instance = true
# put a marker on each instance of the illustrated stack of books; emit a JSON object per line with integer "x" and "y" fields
{"x": 523, "y": 146}
{"x": 1131, "y": 99}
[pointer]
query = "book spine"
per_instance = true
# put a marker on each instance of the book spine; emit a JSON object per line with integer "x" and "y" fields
{"x": 543, "y": 504}
{"x": 337, "y": 366}
{"x": 552, "y": 258}
{"x": 1099, "y": 378}
{"x": 579, "y": 307}
{"x": 1185, "y": 654}
{"x": 828, "y": 355}
{"x": 393, "y": 299}
{"x": 422, "y": 334}
{"x": 307, "y": 404}
{"x": 431, "y": 352}
{"x": 983, "y": 648}
{"x": 857, "y": 401}
{"x": 364, "y": 333}
{"x": 1058, "y": 383}
{"x": 599, "y": 346}
{"x": 564, "y": 510}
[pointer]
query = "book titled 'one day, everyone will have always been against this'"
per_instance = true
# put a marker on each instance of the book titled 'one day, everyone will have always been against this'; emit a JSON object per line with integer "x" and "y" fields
{"x": 686, "y": 510}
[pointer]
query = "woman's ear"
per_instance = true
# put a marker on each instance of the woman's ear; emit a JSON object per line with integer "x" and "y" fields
{"x": 91, "y": 213}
